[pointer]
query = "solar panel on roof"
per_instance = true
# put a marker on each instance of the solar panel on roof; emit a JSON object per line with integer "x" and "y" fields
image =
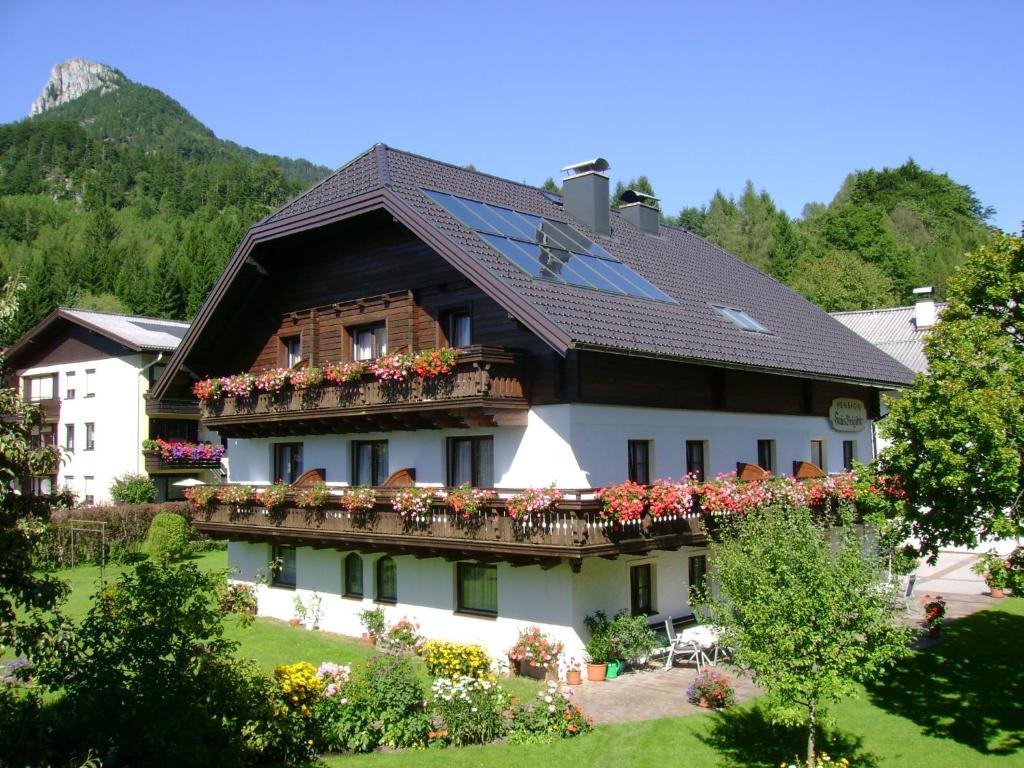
{"x": 546, "y": 249}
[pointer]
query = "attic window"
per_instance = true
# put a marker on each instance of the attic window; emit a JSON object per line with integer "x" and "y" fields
{"x": 741, "y": 318}
{"x": 548, "y": 250}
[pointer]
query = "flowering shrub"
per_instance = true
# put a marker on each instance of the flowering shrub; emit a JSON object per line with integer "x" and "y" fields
{"x": 272, "y": 380}
{"x": 236, "y": 495}
{"x": 305, "y": 378}
{"x": 453, "y": 660}
{"x": 467, "y": 710}
{"x": 393, "y": 367}
{"x": 312, "y": 496}
{"x": 548, "y": 717}
{"x": 332, "y": 677}
{"x": 271, "y": 496}
{"x": 431, "y": 363}
{"x": 533, "y": 502}
{"x": 711, "y": 688}
{"x": 624, "y": 501}
{"x": 184, "y": 452}
{"x": 994, "y": 569}
{"x": 344, "y": 373}
{"x": 403, "y": 637}
{"x": 465, "y": 501}
{"x": 934, "y": 611}
{"x": 358, "y": 499}
{"x": 239, "y": 598}
{"x": 200, "y": 496}
{"x": 829, "y": 492}
{"x": 535, "y": 648}
{"x": 410, "y": 502}
{"x": 820, "y": 759}
{"x": 207, "y": 389}
{"x": 300, "y": 687}
{"x": 667, "y": 498}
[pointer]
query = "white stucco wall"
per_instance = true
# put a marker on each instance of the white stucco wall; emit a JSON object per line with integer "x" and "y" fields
{"x": 575, "y": 446}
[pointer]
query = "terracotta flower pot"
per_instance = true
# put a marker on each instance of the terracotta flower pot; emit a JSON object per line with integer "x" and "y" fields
{"x": 368, "y": 639}
{"x": 934, "y": 632}
{"x": 294, "y": 622}
{"x": 526, "y": 669}
{"x": 572, "y": 677}
{"x": 996, "y": 592}
{"x": 704, "y": 703}
{"x": 597, "y": 672}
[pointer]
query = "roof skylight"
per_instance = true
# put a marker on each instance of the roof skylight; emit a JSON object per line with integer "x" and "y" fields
{"x": 741, "y": 318}
{"x": 548, "y": 249}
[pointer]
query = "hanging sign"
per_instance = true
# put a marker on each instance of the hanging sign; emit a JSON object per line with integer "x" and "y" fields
{"x": 848, "y": 414}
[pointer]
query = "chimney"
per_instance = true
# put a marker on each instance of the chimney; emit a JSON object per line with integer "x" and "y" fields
{"x": 924, "y": 309}
{"x": 639, "y": 209}
{"x": 585, "y": 194}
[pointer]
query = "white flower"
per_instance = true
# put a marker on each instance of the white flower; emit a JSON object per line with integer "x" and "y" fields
{"x": 551, "y": 708}
{"x": 547, "y": 699}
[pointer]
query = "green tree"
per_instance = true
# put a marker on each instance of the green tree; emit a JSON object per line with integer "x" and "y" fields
{"x": 957, "y": 435}
{"x": 841, "y": 281}
{"x": 803, "y": 606}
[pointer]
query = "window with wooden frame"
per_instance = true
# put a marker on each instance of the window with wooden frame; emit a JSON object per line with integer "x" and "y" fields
{"x": 641, "y": 590}
{"x": 283, "y": 566}
{"x": 818, "y": 457}
{"x": 353, "y": 586}
{"x": 471, "y": 461}
{"x": 287, "y": 462}
{"x": 639, "y": 461}
{"x": 849, "y": 454}
{"x": 766, "y": 455}
{"x": 369, "y": 341}
{"x": 369, "y": 462}
{"x": 697, "y": 573}
{"x": 476, "y": 588}
{"x": 291, "y": 351}
{"x": 174, "y": 430}
{"x": 696, "y": 458}
{"x": 458, "y": 327}
{"x": 387, "y": 580}
{"x": 36, "y": 388}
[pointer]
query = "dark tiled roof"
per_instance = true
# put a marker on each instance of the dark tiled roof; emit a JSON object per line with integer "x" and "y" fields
{"x": 804, "y": 339}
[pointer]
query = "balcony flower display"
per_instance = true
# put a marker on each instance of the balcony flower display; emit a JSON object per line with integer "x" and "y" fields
{"x": 184, "y": 452}
{"x": 393, "y": 367}
{"x": 665, "y": 498}
{"x": 239, "y": 385}
{"x": 270, "y": 496}
{"x": 312, "y": 496}
{"x": 207, "y": 389}
{"x": 358, "y": 499}
{"x": 431, "y": 363}
{"x": 344, "y": 373}
{"x": 235, "y": 495}
{"x": 465, "y": 501}
{"x": 831, "y": 491}
{"x": 306, "y": 378}
{"x": 200, "y": 496}
{"x": 625, "y": 501}
{"x": 533, "y": 502}
{"x": 273, "y": 380}
{"x": 412, "y": 502}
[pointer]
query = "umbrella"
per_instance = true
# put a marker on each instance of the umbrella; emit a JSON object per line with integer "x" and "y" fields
{"x": 188, "y": 482}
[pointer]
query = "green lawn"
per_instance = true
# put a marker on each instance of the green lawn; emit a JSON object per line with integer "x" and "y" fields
{"x": 957, "y": 705}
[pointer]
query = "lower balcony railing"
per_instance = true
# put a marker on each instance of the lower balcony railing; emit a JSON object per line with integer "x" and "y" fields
{"x": 573, "y": 528}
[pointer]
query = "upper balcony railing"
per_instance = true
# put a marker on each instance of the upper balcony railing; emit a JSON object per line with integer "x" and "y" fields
{"x": 170, "y": 406}
{"x": 50, "y": 407}
{"x": 485, "y": 387}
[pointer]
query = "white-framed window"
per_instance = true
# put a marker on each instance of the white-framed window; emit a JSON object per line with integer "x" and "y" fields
{"x": 88, "y": 484}
{"x": 697, "y": 458}
{"x": 638, "y": 461}
{"x": 292, "y": 351}
{"x": 90, "y": 382}
{"x": 69, "y": 437}
{"x": 90, "y": 435}
{"x": 38, "y": 388}
{"x": 69, "y": 385}
{"x": 369, "y": 342}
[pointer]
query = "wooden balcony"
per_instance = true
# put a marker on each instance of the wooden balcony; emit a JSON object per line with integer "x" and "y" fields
{"x": 572, "y": 530}
{"x": 172, "y": 407}
{"x": 485, "y": 389}
{"x": 155, "y": 464}
{"x": 50, "y": 408}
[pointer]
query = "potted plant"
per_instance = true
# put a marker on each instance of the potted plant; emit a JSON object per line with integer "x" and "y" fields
{"x": 994, "y": 569}
{"x": 598, "y": 652}
{"x": 934, "y": 613}
{"x": 374, "y": 625}
{"x": 300, "y": 612}
{"x": 572, "y": 672}
{"x": 711, "y": 689}
{"x": 536, "y": 652}
{"x": 632, "y": 638}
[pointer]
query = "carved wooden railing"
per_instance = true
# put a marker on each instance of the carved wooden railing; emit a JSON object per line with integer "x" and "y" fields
{"x": 170, "y": 406}
{"x": 155, "y": 462}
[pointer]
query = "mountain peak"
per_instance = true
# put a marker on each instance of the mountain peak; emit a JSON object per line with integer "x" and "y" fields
{"x": 72, "y": 78}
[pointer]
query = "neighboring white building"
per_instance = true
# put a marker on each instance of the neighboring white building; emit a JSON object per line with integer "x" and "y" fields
{"x": 595, "y": 346}
{"x": 90, "y": 371}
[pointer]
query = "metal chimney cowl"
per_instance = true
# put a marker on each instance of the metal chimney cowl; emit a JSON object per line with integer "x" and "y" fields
{"x": 924, "y": 308}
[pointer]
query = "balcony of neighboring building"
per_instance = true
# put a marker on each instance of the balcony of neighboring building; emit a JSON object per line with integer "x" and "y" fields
{"x": 483, "y": 386}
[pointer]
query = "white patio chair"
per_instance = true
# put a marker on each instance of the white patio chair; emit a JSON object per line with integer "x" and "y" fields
{"x": 680, "y": 648}
{"x": 908, "y": 591}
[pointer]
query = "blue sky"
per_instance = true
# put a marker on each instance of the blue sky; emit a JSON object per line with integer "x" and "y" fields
{"x": 699, "y": 96}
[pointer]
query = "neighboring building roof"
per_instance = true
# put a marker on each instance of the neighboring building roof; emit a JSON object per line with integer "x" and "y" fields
{"x": 893, "y": 331}
{"x": 136, "y": 333}
{"x": 803, "y": 339}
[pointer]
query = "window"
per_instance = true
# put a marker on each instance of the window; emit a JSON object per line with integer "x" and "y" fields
{"x": 90, "y": 382}
{"x": 849, "y": 454}
{"x": 698, "y": 573}
{"x": 41, "y": 485}
{"x": 90, "y": 435}
{"x": 766, "y": 455}
{"x": 287, "y": 462}
{"x": 369, "y": 342}
{"x": 283, "y": 566}
{"x": 42, "y": 437}
{"x": 292, "y": 351}
{"x": 641, "y": 590}
{"x": 695, "y": 457}
{"x": 69, "y": 385}
{"x": 741, "y": 318}
{"x": 369, "y": 462}
{"x": 818, "y": 454}
{"x": 639, "y": 455}
{"x": 174, "y": 430}
{"x": 471, "y": 460}
{"x": 387, "y": 581}
{"x": 459, "y": 329}
{"x": 69, "y": 437}
{"x": 155, "y": 371}
{"x": 38, "y": 388}
{"x": 353, "y": 576}
{"x": 69, "y": 481}
{"x": 476, "y": 588}
{"x": 88, "y": 483}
